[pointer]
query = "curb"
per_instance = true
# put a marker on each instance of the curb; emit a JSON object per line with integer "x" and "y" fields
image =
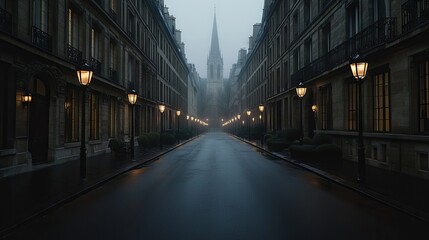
{"x": 344, "y": 183}
{"x": 95, "y": 185}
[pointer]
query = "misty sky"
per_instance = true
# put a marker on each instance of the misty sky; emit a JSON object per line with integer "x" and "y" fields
{"x": 235, "y": 19}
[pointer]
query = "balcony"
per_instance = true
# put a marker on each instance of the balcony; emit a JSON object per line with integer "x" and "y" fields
{"x": 374, "y": 35}
{"x": 41, "y": 39}
{"x": 379, "y": 33}
{"x": 414, "y": 13}
{"x": 5, "y": 21}
{"x": 74, "y": 55}
{"x": 96, "y": 66}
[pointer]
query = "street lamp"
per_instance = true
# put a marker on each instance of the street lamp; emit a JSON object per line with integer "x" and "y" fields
{"x": 178, "y": 125}
{"x": 132, "y": 99}
{"x": 300, "y": 91}
{"x": 161, "y": 110}
{"x": 359, "y": 67}
{"x": 261, "y": 109}
{"x": 84, "y": 76}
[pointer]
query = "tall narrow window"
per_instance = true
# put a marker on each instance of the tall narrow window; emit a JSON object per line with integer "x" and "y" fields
{"x": 325, "y": 43}
{"x": 40, "y": 14}
{"x": 295, "y": 21}
{"x": 423, "y": 78}
{"x": 94, "y": 114}
{"x": 307, "y": 51}
{"x": 73, "y": 28}
{"x": 307, "y": 12}
{"x": 381, "y": 102}
{"x": 352, "y": 19}
{"x": 218, "y": 72}
{"x": 71, "y": 114}
{"x": 352, "y": 105}
{"x": 113, "y": 61}
{"x": 296, "y": 60}
{"x": 326, "y": 107}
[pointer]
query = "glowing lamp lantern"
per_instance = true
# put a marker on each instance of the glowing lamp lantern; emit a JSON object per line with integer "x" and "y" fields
{"x": 301, "y": 90}
{"x": 132, "y": 97}
{"x": 359, "y": 67}
{"x": 84, "y": 74}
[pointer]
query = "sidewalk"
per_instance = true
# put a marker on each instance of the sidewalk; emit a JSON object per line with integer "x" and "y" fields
{"x": 29, "y": 195}
{"x": 398, "y": 190}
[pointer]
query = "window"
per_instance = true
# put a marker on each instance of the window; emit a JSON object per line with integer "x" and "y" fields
{"x": 285, "y": 38}
{"x": 40, "y": 14}
{"x": 131, "y": 26}
{"x": 71, "y": 114}
{"x": 325, "y": 43}
{"x": 295, "y": 22}
{"x": 94, "y": 113}
{"x": 112, "y": 117}
{"x": 307, "y": 51}
{"x": 326, "y": 107}
{"x": 73, "y": 28}
{"x": 296, "y": 60}
{"x": 381, "y": 102}
{"x": 113, "y": 61}
{"x": 307, "y": 12}
{"x": 423, "y": 78}
{"x": 352, "y": 105}
{"x": 95, "y": 52}
{"x": 352, "y": 19}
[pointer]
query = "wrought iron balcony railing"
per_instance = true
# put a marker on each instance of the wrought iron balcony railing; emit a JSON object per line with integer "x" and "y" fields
{"x": 414, "y": 13}
{"x": 5, "y": 21}
{"x": 374, "y": 35}
{"x": 96, "y": 66}
{"x": 74, "y": 55}
{"x": 41, "y": 39}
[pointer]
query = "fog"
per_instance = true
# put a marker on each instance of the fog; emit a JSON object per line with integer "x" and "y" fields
{"x": 235, "y": 19}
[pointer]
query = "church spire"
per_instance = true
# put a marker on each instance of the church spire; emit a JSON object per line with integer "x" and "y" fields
{"x": 214, "y": 49}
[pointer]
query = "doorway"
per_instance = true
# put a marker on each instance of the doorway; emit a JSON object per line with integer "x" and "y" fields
{"x": 38, "y": 122}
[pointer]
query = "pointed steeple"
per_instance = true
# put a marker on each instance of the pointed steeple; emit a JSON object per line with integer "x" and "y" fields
{"x": 214, "y": 49}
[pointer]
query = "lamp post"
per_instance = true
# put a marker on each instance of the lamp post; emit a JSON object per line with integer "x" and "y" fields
{"x": 300, "y": 91}
{"x": 132, "y": 99}
{"x": 161, "y": 110}
{"x": 178, "y": 126}
{"x": 261, "y": 109}
{"x": 84, "y": 75}
{"x": 248, "y": 122}
{"x": 26, "y": 98}
{"x": 359, "y": 66}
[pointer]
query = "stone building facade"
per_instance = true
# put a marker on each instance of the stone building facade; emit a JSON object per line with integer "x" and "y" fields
{"x": 311, "y": 41}
{"x": 129, "y": 44}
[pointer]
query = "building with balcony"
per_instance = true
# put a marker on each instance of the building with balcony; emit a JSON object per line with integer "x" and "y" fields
{"x": 312, "y": 41}
{"x": 129, "y": 44}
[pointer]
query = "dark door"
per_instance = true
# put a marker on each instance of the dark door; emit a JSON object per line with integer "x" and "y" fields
{"x": 38, "y": 128}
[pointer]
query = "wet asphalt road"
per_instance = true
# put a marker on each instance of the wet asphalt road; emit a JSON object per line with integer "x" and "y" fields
{"x": 217, "y": 187}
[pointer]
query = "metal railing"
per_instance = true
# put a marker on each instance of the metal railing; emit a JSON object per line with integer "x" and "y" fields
{"x": 5, "y": 21}
{"x": 41, "y": 39}
{"x": 74, "y": 55}
{"x": 374, "y": 35}
{"x": 414, "y": 13}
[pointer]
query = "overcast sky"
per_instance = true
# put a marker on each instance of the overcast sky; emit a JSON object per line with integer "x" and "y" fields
{"x": 235, "y": 19}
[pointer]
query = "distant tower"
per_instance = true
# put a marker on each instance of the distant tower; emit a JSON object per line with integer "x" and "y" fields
{"x": 214, "y": 76}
